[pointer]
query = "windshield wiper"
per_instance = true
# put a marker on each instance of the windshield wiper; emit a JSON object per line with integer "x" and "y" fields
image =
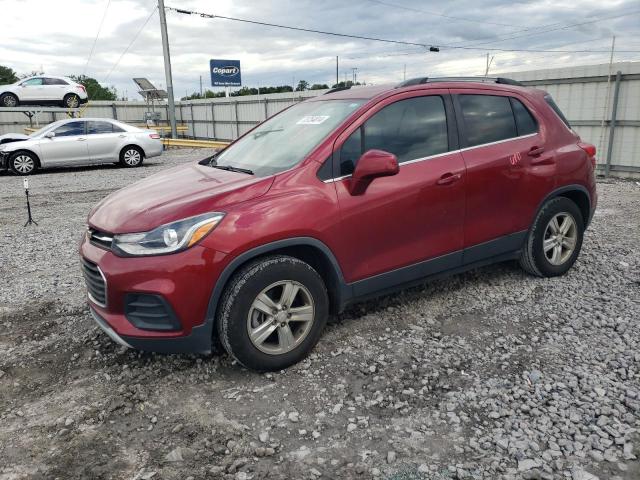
{"x": 233, "y": 169}
{"x": 264, "y": 132}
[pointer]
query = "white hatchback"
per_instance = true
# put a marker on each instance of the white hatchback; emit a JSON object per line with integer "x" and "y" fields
{"x": 43, "y": 90}
{"x": 78, "y": 141}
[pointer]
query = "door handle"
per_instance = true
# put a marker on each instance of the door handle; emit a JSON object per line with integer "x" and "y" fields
{"x": 121, "y": 136}
{"x": 535, "y": 151}
{"x": 448, "y": 178}
{"x": 81, "y": 139}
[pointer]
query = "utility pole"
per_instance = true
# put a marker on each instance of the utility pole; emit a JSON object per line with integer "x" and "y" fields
{"x": 354, "y": 74}
{"x": 404, "y": 77}
{"x": 337, "y": 79}
{"x": 200, "y": 86}
{"x": 489, "y": 62}
{"x": 171, "y": 111}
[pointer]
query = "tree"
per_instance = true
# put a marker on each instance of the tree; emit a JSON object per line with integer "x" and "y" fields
{"x": 302, "y": 86}
{"x": 95, "y": 91}
{"x": 319, "y": 86}
{"x": 7, "y": 75}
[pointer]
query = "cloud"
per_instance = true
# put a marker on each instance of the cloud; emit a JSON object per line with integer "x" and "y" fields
{"x": 275, "y": 56}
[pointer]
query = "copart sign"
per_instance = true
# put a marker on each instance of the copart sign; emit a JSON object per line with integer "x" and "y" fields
{"x": 225, "y": 73}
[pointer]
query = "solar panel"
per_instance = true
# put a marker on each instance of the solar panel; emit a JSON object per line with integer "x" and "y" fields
{"x": 148, "y": 90}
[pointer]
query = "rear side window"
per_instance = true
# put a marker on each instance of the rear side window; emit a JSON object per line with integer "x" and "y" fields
{"x": 556, "y": 109}
{"x": 525, "y": 123}
{"x": 70, "y": 129}
{"x": 487, "y": 119}
{"x": 54, "y": 81}
{"x": 99, "y": 127}
{"x": 410, "y": 129}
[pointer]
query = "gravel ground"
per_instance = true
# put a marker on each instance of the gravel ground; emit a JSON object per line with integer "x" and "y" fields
{"x": 487, "y": 375}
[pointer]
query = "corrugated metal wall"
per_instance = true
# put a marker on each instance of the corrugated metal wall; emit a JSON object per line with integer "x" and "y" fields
{"x": 583, "y": 93}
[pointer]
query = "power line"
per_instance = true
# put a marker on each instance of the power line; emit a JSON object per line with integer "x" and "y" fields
{"x": 462, "y": 19}
{"x": 130, "y": 44}
{"x": 399, "y": 42}
{"x": 93, "y": 47}
{"x": 543, "y": 30}
{"x": 288, "y": 27}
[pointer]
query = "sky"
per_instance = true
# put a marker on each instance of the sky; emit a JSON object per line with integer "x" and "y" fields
{"x": 58, "y": 37}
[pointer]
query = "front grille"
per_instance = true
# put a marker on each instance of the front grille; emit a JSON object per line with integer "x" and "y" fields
{"x": 148, "y": 311}
{"x": 100, "y": 239}
{"x": 96, "y": 283}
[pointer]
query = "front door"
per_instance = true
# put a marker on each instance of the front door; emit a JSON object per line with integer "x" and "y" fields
{"x": 31, "y": 90}
{"x": 68, "y": 146}
{"x": 416, "y": 215}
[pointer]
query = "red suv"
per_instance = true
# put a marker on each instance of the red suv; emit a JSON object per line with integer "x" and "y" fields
{"x": 345, "y": 196}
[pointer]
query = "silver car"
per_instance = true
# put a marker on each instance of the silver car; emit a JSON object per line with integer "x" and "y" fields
{"x": 78, "y": 141}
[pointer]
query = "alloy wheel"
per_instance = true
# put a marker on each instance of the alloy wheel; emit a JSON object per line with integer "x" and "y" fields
{"x": 132, "y": 157}
{"x": 72, "y": 101}
{"x": 9, "y": 101}
{"x": 560, "y": 238}
{"x": 280, "y": 317}
{"x": 24, "y": 164}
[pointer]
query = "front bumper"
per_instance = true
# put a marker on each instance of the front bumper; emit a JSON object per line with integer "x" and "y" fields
{"x": 184, "y": 280}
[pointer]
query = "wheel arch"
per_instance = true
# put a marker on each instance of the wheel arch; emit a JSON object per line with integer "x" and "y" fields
{"x": 129, "y": 145}
{"x": 308, "y": 249}
{"x": 578, "y": 194}
{"x": 30, "y": 152}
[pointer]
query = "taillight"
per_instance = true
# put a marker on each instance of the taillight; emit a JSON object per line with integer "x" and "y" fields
{"x": 590, "y": 150}
{"x": 81, "y": 87}
{"x": 155, "y": 136}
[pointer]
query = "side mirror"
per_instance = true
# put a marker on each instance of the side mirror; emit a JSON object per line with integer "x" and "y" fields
{"x": 372, "y": 164}
{"x": 50, "y": 134}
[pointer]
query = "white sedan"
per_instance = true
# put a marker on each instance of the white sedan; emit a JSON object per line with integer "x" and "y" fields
{"x": 78, "y": 141}
{"x": 43, "y": 90}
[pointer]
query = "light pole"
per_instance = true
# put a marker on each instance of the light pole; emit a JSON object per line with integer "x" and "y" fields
{"x": 171, "y": 112}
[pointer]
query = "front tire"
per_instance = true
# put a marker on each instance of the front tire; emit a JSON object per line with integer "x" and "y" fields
{"x": 23, "y": 163}
{"x": 554, "y": 240}
{"x": 9, "y": 100}
{"x": 131, "y": 157}
{"x": 272, "y": 313}
{"x": 71, "y": 100}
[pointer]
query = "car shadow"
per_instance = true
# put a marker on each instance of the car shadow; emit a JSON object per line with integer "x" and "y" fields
{"x": 83, "y": 168}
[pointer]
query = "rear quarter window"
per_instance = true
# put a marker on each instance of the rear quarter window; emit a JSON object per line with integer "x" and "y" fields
{"x": 525, "y": 121}
{"x": 554, "y": 106}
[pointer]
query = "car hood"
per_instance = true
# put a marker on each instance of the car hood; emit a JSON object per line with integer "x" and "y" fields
{"x": 174, "y": 194}
{"x": 13, "y": 137}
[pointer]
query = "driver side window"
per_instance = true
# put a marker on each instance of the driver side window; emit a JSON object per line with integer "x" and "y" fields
{"x": 70, "y": 129}
{"x": 411, "y": 129}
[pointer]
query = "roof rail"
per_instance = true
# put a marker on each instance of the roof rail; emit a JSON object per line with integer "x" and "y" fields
{"x": 337, "y": 89}
{"x": 423, "y": 80}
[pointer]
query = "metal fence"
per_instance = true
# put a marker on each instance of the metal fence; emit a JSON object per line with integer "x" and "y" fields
{"x": 590, "y": 96}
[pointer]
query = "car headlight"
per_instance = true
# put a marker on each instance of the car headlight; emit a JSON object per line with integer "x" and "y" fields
{"x": 169, "y": 238}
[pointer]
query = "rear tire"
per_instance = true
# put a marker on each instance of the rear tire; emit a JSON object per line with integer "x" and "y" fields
{"x": 272, "y": 313}
{"x": 131, "y": 157}
{"x": 555, "y": 239}
{"x": 9, "y": 100}
{"x": 71, "y": 100}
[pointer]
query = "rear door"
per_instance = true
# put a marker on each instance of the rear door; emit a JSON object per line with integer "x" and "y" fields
{"x": 54, "y": 88}
{"x": 68, "y": 146}
{"x": 103, "y": 140}
{"x": 417, "y": 214}
{"x": 501, "y": 142}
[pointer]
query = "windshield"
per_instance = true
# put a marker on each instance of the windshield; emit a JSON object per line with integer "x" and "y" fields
{"x": 44, "y": 129}
{"x": 286, "y": 139}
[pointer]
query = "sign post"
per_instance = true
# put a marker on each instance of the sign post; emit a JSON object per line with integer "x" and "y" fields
{"x": 30, "y": 219}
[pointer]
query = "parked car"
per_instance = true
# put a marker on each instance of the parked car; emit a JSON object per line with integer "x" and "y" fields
{"x": 78, "y": 141}
{"x": 339, "y": 198}
{"x": 43, "y": 90}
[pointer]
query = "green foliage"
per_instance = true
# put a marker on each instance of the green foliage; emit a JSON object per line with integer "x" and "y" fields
{"x": 95, "y": 91}
{"x": 7, "y": 75}
{"x": 319, "y": 86}
{"x": 240, "y": 92}
{"x": 302, "y": 86}
{"x": 348, "y": 83}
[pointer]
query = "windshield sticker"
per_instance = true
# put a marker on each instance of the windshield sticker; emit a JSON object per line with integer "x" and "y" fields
{"x": 312, "y": 120}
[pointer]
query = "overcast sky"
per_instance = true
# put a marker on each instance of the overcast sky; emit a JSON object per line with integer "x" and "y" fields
{"x": 57, "y": 37}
